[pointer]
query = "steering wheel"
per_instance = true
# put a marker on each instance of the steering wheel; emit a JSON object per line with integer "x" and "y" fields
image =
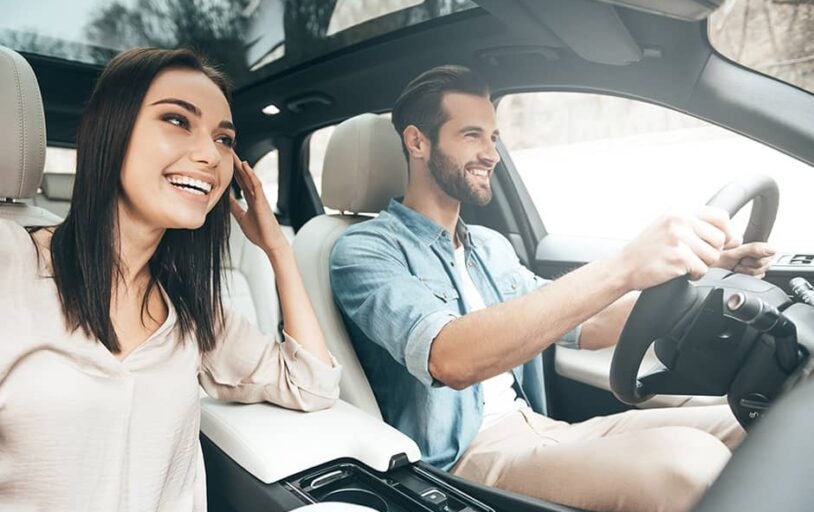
{"x": 662, "y": 308}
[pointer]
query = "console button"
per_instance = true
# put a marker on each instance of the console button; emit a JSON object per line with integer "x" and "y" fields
{"x": 435, "y": 497}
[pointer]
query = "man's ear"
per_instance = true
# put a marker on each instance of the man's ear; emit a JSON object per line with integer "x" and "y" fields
{"x": 418, "y": 146}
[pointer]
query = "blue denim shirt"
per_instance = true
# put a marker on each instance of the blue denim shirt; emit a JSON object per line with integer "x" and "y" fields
{"x": 395, "y": 282}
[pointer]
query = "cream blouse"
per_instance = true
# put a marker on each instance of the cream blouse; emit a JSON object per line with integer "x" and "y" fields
{"x": 81, "y": 430}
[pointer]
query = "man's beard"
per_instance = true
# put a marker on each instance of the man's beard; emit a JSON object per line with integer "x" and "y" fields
{"x": 452, "y": 180}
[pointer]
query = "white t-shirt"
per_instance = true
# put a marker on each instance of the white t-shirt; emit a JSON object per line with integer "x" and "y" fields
{"x": 499, "y": 396}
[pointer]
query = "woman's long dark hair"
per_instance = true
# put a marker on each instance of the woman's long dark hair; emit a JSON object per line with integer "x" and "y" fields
{"x": 187, "y": 263}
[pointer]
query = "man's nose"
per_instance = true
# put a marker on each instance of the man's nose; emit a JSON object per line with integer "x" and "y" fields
{"x": 490, "y": 154}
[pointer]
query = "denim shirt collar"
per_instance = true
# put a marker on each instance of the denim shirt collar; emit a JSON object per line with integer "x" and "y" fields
{"x": 427, "y": 230}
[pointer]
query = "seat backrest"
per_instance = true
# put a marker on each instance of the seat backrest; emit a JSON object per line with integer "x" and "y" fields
{"x": 364, "y": 169}
{"x": 251, "y": 288}
{"x": 22, "y": 141}
{"x": 55, "y": 193}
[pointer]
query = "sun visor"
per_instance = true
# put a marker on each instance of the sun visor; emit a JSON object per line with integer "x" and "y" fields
{"x": 689, "y": 10}
{"x": 593, "y": 30}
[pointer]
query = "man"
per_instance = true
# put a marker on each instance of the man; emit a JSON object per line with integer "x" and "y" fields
{"x": 449, "y": 326}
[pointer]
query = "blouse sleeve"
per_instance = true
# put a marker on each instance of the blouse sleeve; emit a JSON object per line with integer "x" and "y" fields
{"x": 248, "y": 366}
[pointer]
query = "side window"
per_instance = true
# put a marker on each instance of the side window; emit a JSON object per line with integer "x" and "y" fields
{"x": 603, "y": 166}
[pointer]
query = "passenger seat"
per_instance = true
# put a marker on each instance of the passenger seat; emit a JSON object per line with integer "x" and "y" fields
{"x": 251, "y": 286}
{"x": 22, "y": 142}
{"x": 364, "y": 168}
{"x": 55, "y": 193}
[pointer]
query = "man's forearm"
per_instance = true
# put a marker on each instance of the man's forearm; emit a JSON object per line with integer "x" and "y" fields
{"x": 513, "y": 332}
{"x": 603, "y": 329}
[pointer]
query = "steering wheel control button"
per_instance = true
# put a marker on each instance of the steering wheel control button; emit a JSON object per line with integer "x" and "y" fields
{"x": 754, "y": 405}
{"x": 802, "y": 290}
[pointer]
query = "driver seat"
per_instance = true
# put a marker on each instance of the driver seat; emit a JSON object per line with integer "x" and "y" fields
{"x": 22, "y": 142}
{"x": 364, "y": 167}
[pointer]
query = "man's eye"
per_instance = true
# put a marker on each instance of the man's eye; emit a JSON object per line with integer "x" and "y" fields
{"x": 177, "y": 120}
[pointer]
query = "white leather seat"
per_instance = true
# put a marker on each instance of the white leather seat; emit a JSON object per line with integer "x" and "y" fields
{"x": 22, "y": 142}
{"x": 251, "y": 289}
{"x": 55, "y": 193}
{"x": 364, "y": 168}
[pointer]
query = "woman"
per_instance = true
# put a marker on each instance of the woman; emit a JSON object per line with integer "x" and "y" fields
{"x": 113, "y": 318}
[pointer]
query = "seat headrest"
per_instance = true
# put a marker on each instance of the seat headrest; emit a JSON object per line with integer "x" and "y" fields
{"x": 22, "y": 132}
{"x": 364, "y": 165}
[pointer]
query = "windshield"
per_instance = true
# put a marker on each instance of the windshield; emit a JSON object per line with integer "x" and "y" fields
{"x": 775, "y": 37}
{"x": 241, "y": 36}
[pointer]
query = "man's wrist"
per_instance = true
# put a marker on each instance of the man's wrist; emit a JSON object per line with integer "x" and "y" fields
{"x": 618, "y": 275}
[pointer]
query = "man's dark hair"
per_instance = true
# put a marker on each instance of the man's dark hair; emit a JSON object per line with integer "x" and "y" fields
{"x": 187, "y": 262}
{"x": 420, "y": 102}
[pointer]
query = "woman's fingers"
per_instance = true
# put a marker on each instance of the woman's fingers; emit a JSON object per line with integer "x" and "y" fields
{"x": 240, "y": 176}
{"x": 252, "y": 181}
{"x": 236, "y": 209}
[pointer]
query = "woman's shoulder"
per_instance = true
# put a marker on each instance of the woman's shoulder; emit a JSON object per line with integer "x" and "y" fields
{"x": 16, "y": 245}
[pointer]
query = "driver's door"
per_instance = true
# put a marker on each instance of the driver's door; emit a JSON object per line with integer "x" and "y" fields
{"x": 596, "y": 170}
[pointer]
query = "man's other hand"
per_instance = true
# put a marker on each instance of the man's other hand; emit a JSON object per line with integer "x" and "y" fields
{"x": 751, "y": 259}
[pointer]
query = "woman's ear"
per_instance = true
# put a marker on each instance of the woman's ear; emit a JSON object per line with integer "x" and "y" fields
{"x": 417, "y": 144}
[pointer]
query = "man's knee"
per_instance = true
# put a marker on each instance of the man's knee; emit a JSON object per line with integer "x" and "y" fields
{"x": 688, "y": 464}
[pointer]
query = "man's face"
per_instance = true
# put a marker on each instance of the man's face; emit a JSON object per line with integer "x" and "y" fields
{"x": 464, "y": 156}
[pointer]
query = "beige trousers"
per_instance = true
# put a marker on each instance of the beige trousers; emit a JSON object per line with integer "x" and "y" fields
{"x": 640, "y": 460}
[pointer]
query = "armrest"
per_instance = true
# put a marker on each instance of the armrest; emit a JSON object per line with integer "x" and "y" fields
{"x": 272, "y": 443}
{"x": 592, "y": 367}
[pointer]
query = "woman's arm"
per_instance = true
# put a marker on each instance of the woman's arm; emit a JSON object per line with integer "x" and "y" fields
{"x": 260, "y": 226}
{"x": 248, "y": 366}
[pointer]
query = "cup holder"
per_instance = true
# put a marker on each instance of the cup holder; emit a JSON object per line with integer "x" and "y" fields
{"x": 357, "y": 497}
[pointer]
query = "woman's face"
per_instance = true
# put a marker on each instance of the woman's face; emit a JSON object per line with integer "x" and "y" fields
{"x": 179, "y": 161}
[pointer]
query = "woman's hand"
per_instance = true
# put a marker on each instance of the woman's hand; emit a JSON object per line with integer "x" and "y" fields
{"x": 258, "y": 221}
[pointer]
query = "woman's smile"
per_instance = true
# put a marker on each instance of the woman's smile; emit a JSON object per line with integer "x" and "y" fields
{"x": 193, "y": 189}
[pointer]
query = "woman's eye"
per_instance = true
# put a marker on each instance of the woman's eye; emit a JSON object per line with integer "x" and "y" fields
{"x": 176, "y": 120}
{"x": 226, "y": 140}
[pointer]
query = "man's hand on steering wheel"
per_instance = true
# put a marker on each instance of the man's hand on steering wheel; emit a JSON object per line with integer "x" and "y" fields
{"x": 751, "y": 259}
{"x": 676, "y": 245}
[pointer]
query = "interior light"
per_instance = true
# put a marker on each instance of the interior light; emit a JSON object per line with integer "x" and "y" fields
{"x": 271, "y": 109}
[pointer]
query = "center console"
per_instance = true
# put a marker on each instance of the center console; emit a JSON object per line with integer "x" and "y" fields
{"x": 264, "y": 458}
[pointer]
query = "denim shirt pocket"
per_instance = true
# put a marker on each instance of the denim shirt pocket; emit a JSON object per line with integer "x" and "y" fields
{"x": 442, "y": 289}
{"x": 509, "y": 285}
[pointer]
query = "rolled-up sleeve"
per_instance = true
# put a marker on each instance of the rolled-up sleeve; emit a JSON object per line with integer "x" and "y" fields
{"x": 417, "y": 350}
{"x": 248, "y": 366}
{"x": 376, "y": 291}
